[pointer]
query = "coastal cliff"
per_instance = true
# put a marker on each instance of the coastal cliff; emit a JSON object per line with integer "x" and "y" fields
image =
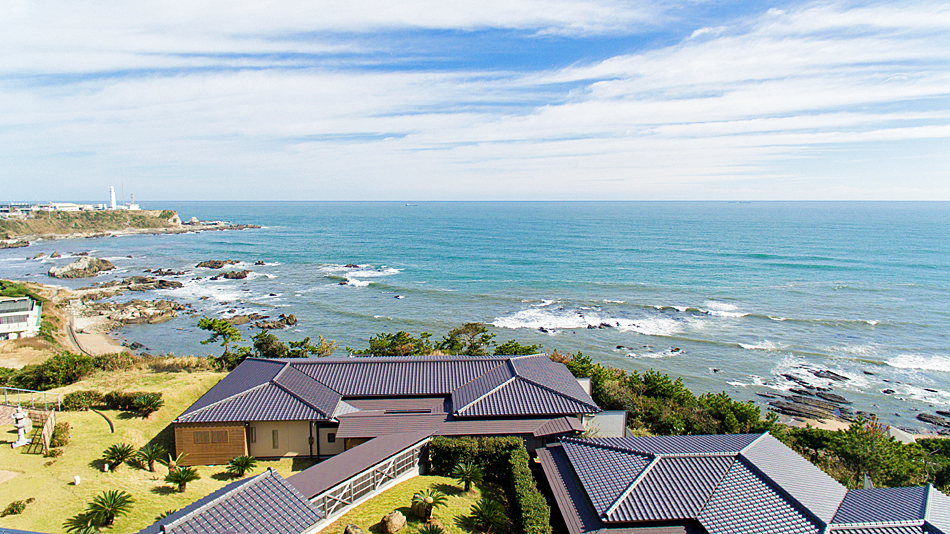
{"x": 101, "y": 223}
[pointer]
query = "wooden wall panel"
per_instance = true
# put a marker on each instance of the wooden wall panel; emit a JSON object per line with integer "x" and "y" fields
{"x": 209, "y": 453}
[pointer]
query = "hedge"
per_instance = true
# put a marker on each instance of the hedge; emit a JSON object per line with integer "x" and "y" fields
{"x": 118, "y": 400}
{"x": 531, "y": 506}
{"x": 505, "y": 460}
{"x": 81, "y": 400}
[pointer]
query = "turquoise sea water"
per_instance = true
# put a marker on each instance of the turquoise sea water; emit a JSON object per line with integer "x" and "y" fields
{"x": 730, "y": 296}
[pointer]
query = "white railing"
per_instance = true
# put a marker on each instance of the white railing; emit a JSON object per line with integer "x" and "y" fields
{"x": 363, "y": 485}
{"x": 31, "y": 398}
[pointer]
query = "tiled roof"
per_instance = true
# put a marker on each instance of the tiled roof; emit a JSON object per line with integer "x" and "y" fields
{"x": 315, "y": 388}
{"x": 328, "y": 473}
{"x": 725, "y": 484}
{"x": 817, "y": 491}
{"x": 266, "y": 402}
{"x": 673, "y": 488}
{"x": 263, "y": 504}
{"x": 670, "y": 445}
{"x": 882, "y": 504}
{"x": 363, "y": 425}
{"x": 746, "y": 503}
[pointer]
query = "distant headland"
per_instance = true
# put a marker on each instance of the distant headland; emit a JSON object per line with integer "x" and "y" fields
{"x": 22, "y": 223}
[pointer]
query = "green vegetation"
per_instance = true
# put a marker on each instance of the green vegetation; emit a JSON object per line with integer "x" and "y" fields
{"x": 16, "y": 507}
{"x": 471, "y": 339}
{"x": 663, "y": 406}
{"x": 239, "y": 465}
{"x": 151, "y": 453}
{"x": 60, "y": 437}
{"x": 267, "y": 345}
{"x": 67, "y": 223}
{"x": 14, "y": 289}
{"x": 503, "y": 460}
{"x": 467, "y": 474}
{"x": 489, "y": 515}
{"x": 148, "y": 403}
{"x": 225, "y": 333}
{"x": 106, "y": 506}
{"x": 182, "y": 476}
{"x": 59, "y": 370}
{"x": 453, "y": 518}
{"x": 117, "y": 454}
{"x": 427, "y": 500}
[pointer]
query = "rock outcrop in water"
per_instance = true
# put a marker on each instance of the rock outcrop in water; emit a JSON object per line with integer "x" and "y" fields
{"x": 237, "y": 275}
{"x": 84, "y": 267}
{"x": 282, "y": 322}
{"x": 216, "y": 264}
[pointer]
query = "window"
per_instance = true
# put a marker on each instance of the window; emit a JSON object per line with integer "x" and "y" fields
{"x": 219, "y": 436}
{"x": 331, "y": 437}
{"x": 273, "y": 437}
{"x": 202, "y": 436}
{"x": 253, "y": 434}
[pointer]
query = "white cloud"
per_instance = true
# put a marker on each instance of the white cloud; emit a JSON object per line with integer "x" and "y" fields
{"x": 730, "y": 112}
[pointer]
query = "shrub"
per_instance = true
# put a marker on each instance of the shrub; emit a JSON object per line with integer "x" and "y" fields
{"x": 60, "y": 437}
{"x": 239, "y": 465}
{"x": 429, "y": 528}
{"x": 445, "y": 453}
{"x": 118, "y": 454}
{"x": 427, "y": 500}
{"x": 16, "y": 507}
{"x": 148, "y": 403}
{"x": 467, "y": 474}
{"x": 491, "y": 454}
{"x": 532, "y": 509}
{"x": 174, "y": 364}
{"x": 150, "y": 454}
{"x": 59, "y": 370}
{"x": 81, "y": 400}
{"x": 118, "y": 400}
{"x": 107, "y": 505}
{"x": 118, "y": 361}
{"x": 489, "y": 515}
{"x": 182, "y": 476}
{"x": 53, "y": 453}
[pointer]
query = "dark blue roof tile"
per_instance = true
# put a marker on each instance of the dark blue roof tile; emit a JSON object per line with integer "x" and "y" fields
{"x": 265, "y": 504}
{"x": 249, "y": 374}
{"x": 799, "y": 479}
{"x": 308, "y": 390}
{"x": 674, "y": 488}
{"x": 745, "y": 503}
{"x": 522, "y": 397}
{"x": 605, "y": 473}
{"x": 938, "y": 511}
{"x": 671, "y": 445}
{"x": 264, "y": 403}
{"x": 882, "y": 504}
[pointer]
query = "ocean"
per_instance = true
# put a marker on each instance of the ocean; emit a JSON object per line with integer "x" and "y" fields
{"x": 729, "y": 296}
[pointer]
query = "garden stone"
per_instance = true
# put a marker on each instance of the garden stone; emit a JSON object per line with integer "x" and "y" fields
{"x": 353, "y": 529}
{"x": 393, "y": 522}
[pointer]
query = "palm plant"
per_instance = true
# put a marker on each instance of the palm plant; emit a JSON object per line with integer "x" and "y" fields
{"x": 117, "y": 454}
{"x": 107, "y": 505}
{"x": 427, "y": 500}
{"x": 81, "y": 523}
{"x": 164, "y": 514}
{"x": 468, "y": 474}
{"x": 239, "y": 465}
{"x": 182, "y": 476}
{"x": 172, "y": 463}
{"x": 429, "y": 528}
{"x": 151, "y": 453}
{"x": 489, "y": 515}
{"x": 147, "y": 403}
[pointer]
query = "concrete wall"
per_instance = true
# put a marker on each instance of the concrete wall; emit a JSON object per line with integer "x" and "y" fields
{"x": 607, "y": 424}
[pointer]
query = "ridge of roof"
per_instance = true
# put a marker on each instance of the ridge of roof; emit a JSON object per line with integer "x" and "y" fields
{"x": 715, "y": 488}
{"x": 626, "y": 493}
{"x": 250, "y": 482}
{"x": 928, "y": 500}
{"x": 383, "y": 359}
{"x": 219, "y": 402}
{"x": 485, "y": 395}
{"x": 753, "y": 443}
{"x": 556, "y": 392}
{"x": 589, "y": 443}
{"x": 287, "y": 390}
{"x": 785, "y": 494}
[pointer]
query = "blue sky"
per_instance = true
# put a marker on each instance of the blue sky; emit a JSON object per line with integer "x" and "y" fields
{"x": 521, "y": 100}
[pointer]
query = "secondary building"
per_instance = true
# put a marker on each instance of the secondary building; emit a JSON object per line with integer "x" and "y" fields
{"x": 748, "y": 483}
{"x": 19, "y": 317}
{"x": 319, "y": 407}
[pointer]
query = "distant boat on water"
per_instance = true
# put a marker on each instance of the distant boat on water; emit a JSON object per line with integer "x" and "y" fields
{"x": 408, "y": 204}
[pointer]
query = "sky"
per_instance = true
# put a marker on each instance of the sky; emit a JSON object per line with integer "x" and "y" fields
{"x": 475, "y": 100}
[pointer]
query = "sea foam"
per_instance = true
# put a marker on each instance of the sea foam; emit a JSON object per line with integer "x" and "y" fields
{"x": 934, "y": 362}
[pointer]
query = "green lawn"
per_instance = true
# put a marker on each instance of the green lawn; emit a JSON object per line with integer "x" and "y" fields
{"x": 52, "y": 485}
{"x": 453, "y": 518}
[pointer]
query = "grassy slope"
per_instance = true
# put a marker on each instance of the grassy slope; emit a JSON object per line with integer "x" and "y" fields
{"x": 454, "y": 517}
{"x": 60, "y": 223}
{"x": 56, "y": 496}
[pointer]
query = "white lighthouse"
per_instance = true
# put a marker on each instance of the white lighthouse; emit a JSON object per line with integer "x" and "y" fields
{"x": 112, "y": 197}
